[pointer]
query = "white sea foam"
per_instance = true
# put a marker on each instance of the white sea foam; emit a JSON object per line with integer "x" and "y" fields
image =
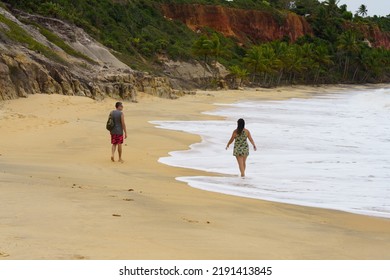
{"x": 330, "y": 151}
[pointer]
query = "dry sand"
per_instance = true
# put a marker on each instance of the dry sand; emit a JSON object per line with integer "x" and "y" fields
{"x": 62, "y": 198}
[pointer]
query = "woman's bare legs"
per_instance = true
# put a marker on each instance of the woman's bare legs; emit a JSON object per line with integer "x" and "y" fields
{"x": 241, "y": 164}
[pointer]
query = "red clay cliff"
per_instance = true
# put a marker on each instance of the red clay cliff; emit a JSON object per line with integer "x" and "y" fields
{"x": 253, "y": 25}
{"x": 373, "y": 34}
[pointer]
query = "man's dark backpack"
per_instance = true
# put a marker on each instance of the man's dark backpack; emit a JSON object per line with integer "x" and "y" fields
{"x": 110, "y": 123}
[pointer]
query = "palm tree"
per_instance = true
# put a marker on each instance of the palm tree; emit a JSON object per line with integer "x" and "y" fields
{"x": 203, "y": 47}
{"x": 271, "y": 62}
{"x": 348, "y": 45}
{"x": 216, "y": 50}
{"x": 362, "y": 10}
{"x": 262, "y": 59}
{"x": 253, "y": 59}
{"x": 216, "y": 47}
{"x": 239, "y": 75}
{"x": 207, "y": 47}
{"x": 370, "y": 62}
{"x": 281, "y": 51}
{"x": 375, "y": 63}
{"x": 294, "y": 62}
{"x": 332, "y": 6}
{"x": 307, "y": 52}
{"x": 323, "y": 58}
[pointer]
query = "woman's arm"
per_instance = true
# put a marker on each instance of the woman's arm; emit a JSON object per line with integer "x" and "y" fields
{"x": 231, "y": 139}
{"x": 251, "y": 140}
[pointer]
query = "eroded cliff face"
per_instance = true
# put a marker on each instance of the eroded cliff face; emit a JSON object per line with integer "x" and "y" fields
{"x": 24, "y": 71}
{"x": 374, "y": 35}
{"x": 256, "y": 26}
{"x": 252, "y": 25}
{"x": 22, "y": 74}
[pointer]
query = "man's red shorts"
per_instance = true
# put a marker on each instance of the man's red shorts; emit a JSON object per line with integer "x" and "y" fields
{"x": 116, "y": 139}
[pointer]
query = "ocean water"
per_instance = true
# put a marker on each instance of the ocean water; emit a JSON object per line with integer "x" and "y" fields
{"x": 330, "y": 151}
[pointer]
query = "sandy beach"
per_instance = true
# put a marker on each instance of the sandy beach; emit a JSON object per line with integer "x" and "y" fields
{"x": 62, "y": 198}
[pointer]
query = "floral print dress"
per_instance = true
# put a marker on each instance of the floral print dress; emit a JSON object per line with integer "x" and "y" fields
{"x": 241, "y": 147}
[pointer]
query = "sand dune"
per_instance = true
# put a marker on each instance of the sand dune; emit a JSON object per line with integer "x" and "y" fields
{"x": 62, "y": 198}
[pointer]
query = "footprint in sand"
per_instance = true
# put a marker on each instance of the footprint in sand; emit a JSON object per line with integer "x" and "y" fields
{"x": 116, "y": 215}
{"x": 79, "y": 257}
{"x": 128, "y": 199}
{"x": 4, "y": 255}
{"x": 19, "y": 116}
{"x": 191, "y": 221}
{"x": 194, "y": 221}
{"x": 79, "y": 187}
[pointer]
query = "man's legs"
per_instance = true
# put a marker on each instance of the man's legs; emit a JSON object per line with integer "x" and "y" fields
{"x": 113, "y": 152}
{"x": 120, "y": 152}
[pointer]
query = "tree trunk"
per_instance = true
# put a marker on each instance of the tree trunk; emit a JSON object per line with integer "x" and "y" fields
{"x": 254, "y": 73}
{"x": 365, "y": 77}
{"x": 291, "y": 77}
{"x": 354, "y": 74}
{"x": 280, "y": 78}
{"x": 205, "y": 64}
{"x": 346, "y": 66}
{"x": 317, "y": 76}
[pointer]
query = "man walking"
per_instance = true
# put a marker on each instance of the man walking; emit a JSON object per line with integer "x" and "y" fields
{"x": 117, "y": 131}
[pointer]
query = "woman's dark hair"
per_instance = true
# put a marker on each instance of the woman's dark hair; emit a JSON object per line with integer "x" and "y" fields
{"x": 240, "y": 126}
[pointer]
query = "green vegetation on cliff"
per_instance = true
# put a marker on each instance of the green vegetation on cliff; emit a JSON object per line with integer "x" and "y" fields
{"x": 131, "y": 27}
{"x": 53, "y": 38}
{"x": 339, "y": 51}
{"x": 17, "y": 34}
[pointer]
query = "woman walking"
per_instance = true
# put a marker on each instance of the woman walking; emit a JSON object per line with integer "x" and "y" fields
{"x": 241, "y": 149}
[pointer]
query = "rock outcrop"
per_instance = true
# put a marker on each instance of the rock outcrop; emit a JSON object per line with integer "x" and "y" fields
{"x": 193, "y": 74}
{"x": 21, "y": 75}
{"x": 24, "y": 71}
{"x": 253, "y": 25}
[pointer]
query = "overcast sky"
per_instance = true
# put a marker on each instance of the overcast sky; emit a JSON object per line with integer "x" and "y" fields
{"x": 374, "y": 7}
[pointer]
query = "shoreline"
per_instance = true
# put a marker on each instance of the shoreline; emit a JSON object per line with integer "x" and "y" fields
{"x": 229, "y": 190}
{"x": 59, "y": 199}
